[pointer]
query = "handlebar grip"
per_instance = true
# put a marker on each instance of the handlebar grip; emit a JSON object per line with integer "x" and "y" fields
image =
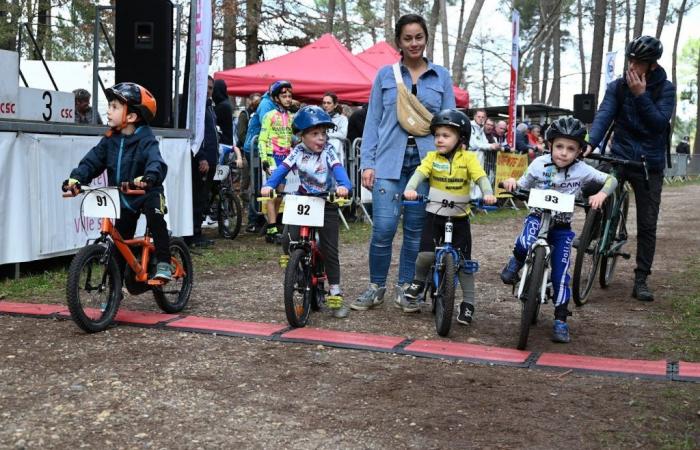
{"x": 500, "y": 185}
{"x": 68, "y": 195}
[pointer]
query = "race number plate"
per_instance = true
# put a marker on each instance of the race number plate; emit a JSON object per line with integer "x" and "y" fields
{"x": 221, "y": 172}
{"x": 552, "y": 200}
{"x": 302, "y": 210}
{"x": 102, "y": 203}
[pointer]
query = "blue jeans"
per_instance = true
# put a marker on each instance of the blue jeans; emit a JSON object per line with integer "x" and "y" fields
{"x": 386, "y": 212}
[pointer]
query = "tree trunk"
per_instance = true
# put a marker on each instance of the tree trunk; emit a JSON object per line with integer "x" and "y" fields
{"x": 229, "y": 9}
{"x": 330, "y": 16}
{"x": 461, "y": 19}
{"x": 432, "y": 27}
{"x": 388, "y": 14}
{"x": 536, "y": 58}
{"x": 613, "y": 24}
{"x": 674, "y": 59}
{"x": 628, "y": 23}
{"x": 598, "y": 45}
{"x": 663, "y": 10}
{"x": 545, "y": 70}
{"x": 445, "y": 35}
{"x": 346, "y": 24}
{"x": 463, "y": 42}
{"x": 696, "y": 144}
{"x": 397, "y": 10}
{"x": 639, "y": 18}
{"x": 554, "y": 93}
{"x": 43, "y": 30}
{"x": 483, "y": 76}
{"x": 581, "y": 54}
{"x": 252, "y": 21}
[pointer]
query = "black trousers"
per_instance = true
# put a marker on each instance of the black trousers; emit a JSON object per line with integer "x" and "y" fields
{"x": 201, "y": 186}
{"x": 648, "y": 201}
{"x": 152, "y": 204}
{"x": 329, "y": 242}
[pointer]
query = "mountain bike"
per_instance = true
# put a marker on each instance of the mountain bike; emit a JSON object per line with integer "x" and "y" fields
{"x": 226, "y": 206}
{"x": 95, "y": 279}
{"x": 533, "y": 289}
{"x": 305, "y": 276}
{"x": 604, "y": 235}
{"x": 442, "y": 278}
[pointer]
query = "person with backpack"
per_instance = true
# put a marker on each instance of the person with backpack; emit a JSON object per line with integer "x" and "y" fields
{"x": 638, "y": 107}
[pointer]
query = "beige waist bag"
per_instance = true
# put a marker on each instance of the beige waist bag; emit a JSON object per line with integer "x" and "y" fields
{"x": 413, "y": 116}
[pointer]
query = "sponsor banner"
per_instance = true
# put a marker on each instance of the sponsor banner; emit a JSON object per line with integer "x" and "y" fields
{"x": 515, "y": 54}
{"x": 509, "y": 165}
{"x": 202, "y": 29}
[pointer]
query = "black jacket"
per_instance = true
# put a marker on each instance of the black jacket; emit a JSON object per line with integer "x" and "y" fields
{"x": 356, "y": 123}
{"x": 224, "y": 111}
{"x": 209, "y": 150}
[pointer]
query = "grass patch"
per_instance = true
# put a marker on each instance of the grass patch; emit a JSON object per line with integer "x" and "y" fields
{"x": 499, "y": 215}
{"x": 677, "y": 183}
{"x": 48, "y": 283}
{"x": 359, "y": 232}
{"x": 228, "y": 254}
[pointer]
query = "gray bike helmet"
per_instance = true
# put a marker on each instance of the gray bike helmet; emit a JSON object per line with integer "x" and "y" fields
{"x": 645, "y": 49}
{"x": 567, "y": 127}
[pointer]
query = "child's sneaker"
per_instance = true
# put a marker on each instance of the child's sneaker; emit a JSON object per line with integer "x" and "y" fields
{"x": 163, "y": 272}
{"x": 272, "y": 235}
{"x": 208, "y": 222}
{"x": 561, "y": 332}
{"x": 466, "y": 312}
{"x": 509, "y": 274}
{"x": 403, "y": 301}
{"x": 415, "y": 289}
{"x": 371, "y": 297}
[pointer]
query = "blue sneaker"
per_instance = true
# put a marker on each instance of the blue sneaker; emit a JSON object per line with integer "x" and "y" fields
{"x": 163, "y": 272}
{"x": 561, "y": 332}
{"x": 509, "y": 274}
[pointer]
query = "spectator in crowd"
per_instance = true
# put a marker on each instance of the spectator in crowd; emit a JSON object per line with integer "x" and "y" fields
{"x": 534, "y": 138}
{"x": 83, "y": 110}
{"x": 203, "y": 168}
{"x": 499, "y": 133}
{"x": 224, "y": 112}
{"x": 251, "y": 104}
{"x": 489, "y": 128}
{"x": 521, "y": 142}
{"x": 478, "y": 140}
{"x": 390, "y": 155}
{"x": 336, "y": 136}
{"x": 683, "y": 146}
{"x": 356, "y": 123}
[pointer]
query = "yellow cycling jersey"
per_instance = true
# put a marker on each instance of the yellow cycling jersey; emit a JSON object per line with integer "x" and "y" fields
{"x": 452, "y": 176}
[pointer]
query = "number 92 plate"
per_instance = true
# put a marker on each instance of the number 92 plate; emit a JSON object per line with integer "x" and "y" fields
{"x": 552, "y": 200}
{"x": 303, "y": 211}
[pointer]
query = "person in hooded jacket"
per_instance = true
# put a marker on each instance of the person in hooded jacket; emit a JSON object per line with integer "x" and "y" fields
{"x": 224, "y": 112}
{"x": 639, "y": 105}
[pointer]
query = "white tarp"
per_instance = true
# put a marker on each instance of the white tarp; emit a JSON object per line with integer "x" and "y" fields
{"x": 39, "y": 223}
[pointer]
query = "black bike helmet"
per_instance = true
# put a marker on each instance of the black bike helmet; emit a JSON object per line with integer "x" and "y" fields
{"x": 277, "y": 86}
{"x": 453, "y": 118}
{"x": 645, "y": 49}
{"x": 137, "y": 98}
{"x": 567, "y": 127}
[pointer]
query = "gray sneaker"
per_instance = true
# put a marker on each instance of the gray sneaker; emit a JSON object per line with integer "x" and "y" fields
{"x": 373, "y": 296}
{"x": 407, "y": 304}
{"x": 341, "y": 313}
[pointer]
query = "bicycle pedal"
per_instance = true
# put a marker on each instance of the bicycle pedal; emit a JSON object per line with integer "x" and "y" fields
{"x": 624, "y": 255}
{"x": 155, "y": 282}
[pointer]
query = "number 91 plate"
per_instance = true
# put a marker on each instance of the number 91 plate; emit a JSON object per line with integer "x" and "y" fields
{"x": 552, "y": 200}
{"x": 303, "y": 211}
{"x": 102, "y": 202}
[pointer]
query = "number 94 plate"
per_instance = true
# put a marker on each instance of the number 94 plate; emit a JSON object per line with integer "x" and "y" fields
{"x": 303, "y": 211}
{"x": 552, "y": 200}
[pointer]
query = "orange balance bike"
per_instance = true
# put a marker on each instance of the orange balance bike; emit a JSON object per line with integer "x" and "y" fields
{"x": 95, "y": 278}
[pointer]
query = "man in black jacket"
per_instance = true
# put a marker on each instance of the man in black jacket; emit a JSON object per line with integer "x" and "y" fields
{"x": 223, "y": 111}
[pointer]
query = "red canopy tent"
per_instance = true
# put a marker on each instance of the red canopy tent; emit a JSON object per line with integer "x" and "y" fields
{"x": 324, "y": 65}
{"x": 382, "y": 54}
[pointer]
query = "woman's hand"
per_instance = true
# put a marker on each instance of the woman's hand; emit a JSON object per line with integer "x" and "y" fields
{"x": 490, "y": 199}
{"x": 368, "y": 178}
{"x": 596, "y": 201}
{"x": 410, "y": 194}
{"x": 342, "y": 191}
{"x": 510, "y": 184}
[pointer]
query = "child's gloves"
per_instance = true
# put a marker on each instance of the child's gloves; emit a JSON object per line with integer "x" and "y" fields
{"x": 143, "y": 182}
{"x": 70, "y": 184}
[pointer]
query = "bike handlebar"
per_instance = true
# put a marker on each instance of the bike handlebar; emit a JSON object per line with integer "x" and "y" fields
{"x": 478, "y": 203}
{"x": 330, "y": 197}
{"x": 623, "y": 162}
{"x": 125, "y": 188}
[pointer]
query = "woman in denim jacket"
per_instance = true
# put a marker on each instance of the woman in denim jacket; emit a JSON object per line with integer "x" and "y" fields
{"x": 389, "y": 156}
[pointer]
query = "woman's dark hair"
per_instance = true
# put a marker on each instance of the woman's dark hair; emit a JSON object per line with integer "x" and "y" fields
{"x": 333, "y": 97}
{"x": 407, "y": 19}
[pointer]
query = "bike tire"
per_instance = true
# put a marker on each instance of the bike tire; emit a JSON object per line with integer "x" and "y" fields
{"x": 587, "y": 260}
{"x": 609, "y": 262}
{"x": 99, "y": 313}
{"x": 445, "y": 295}
{"x": 230, "y": 214}
{"x": 533, "y": 283}
{"x": 173, "y": 296}
{"x": 297, "y": 289}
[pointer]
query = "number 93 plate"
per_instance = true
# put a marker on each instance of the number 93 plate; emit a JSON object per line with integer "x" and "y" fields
{"x": 552, "y": 200}
{"x": 102, "y": 202}
{"x": 303, "y": 211}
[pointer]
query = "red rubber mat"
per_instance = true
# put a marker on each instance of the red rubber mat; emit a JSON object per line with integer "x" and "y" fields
{"x": 31, "y": 308}
{"x": 142, "y": 318}
{"x": 225, "y": 326}
{"x": 468, "y": 351}
{"x": 343, "y": 338}
{"x": 597, "y": 364}
{"x": 689, "y": 371}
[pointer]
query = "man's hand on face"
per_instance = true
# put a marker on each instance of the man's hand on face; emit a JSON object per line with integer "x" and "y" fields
{"x": 637, "y": 84}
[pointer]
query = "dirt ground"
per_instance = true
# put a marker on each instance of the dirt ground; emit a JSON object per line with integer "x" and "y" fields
{"x": 138, "y": 388}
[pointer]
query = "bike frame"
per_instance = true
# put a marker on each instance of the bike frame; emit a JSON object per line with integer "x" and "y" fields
{"x": 606, "y": 247}
{"x": 309, "y": 245}
{"x": 440, "y": 252}
{"x": 540, "y": 242}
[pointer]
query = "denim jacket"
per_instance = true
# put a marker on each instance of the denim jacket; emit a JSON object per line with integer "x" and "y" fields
{"x": 383, "y": 139}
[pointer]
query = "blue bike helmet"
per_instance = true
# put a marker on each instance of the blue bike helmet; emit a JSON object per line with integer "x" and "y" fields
{"x": 277, "y": 86}
{"x": 311, "y": 116}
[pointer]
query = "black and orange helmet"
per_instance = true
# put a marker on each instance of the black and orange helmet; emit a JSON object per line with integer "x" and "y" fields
{"x": 137, "y": 98}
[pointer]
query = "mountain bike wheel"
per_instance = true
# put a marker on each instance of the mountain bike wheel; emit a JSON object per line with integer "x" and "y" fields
{"x": 533, "y": 284}
{"x": 297, "y": 289}
{"x": 618, "y": 232}
{"x": 444, "y": 299}
{"x": 587, "y": 256}
{"x": 93, "y": 289}
{"x": 230, "y": 212}
{"x": 173, "y": 296}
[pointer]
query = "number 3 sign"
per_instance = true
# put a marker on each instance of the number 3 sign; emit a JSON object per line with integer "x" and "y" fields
{"x": 302, "y": 210}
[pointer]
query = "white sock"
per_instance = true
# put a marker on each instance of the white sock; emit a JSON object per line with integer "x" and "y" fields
{"x": 335, "y": 289}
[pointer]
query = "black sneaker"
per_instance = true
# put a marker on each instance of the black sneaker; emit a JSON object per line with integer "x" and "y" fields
{"x": 466, "y": 312}
{"x": 641, "y": 291}
{"x": 415, "y": 289}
